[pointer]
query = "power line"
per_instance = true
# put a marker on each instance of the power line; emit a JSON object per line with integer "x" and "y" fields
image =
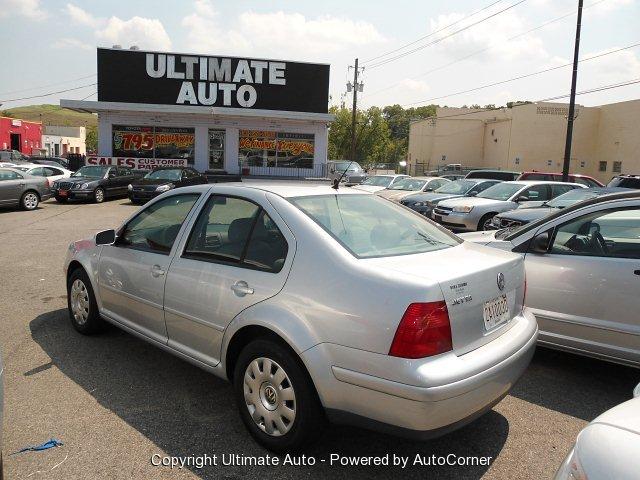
{"x": 438, "y": 40}
{"x": 48, "y": 85}
{"x": 90, "y": 95}
{"x": 49, "y": 94}
{"x": 520, "y": 77}
{"x": 432, "y": 33}
{"x": 458, "y": 60}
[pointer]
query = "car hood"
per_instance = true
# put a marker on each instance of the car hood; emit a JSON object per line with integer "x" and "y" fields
{"x": 625, "y": 416}
{"x": 82, "y": 179}
{"x": 483, "y": 238}
{"x": 151, "y": 181}
{"x": 431, "y": 197}
{"x": 369, "y": 188}
{"x": 395, "y": 194}
{"x": 474, "y": 201}
{"x": 527, "y": 215}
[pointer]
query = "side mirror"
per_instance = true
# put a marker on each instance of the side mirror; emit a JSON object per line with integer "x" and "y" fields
{"x": 522, "y": 198}
{"x": 540, "y": 243}
{"x": 106, "y": 237}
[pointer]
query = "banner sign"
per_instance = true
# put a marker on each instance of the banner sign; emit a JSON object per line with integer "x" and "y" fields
{"x": 289, "y": 143}
{"x": 134, "y": 76}
{"x": 137, "y": 163}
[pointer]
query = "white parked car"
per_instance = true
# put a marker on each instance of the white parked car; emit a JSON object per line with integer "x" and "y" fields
{"x": 376, "y": 183}
{"x": 408, "y": 186}
{"x": 608, "y": 448}
{"x": 315, "y": 304}
{"x": 52, "y": 173}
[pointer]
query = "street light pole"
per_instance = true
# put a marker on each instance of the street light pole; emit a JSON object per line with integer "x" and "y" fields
{"x": 354, "y": 112}
{"x": 572, "y": 101}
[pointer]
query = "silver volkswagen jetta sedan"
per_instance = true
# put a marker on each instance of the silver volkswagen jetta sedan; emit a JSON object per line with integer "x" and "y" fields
{"x": 315, "y": 304}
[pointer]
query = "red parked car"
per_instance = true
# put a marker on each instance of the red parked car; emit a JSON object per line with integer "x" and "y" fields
{"x": 590, "y": 182}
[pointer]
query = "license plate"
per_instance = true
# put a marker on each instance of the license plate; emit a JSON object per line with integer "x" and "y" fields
{"x": 495, "y": 312}
{"x": 63, "y": 193}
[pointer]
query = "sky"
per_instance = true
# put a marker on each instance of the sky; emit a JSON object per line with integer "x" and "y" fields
{"x": 50, "y": 45}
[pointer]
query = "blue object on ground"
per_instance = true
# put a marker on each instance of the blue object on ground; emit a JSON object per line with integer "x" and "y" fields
{"x": 43, "y": 446}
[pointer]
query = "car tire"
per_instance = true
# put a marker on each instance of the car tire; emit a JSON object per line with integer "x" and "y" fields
{"x": 29, "y": 200}
{"x": 279, "y": 407}
{"x": 82, "y": 305}
{"x": 61, "y": 199}
{"x": 98, "y": 195}
{"x": 485, "y": 221}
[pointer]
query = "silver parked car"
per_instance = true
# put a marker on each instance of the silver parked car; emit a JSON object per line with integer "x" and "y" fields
{"x": 376, "y": 183}
{"x": 20, "y": 189}
{"x": 607, "y": 448}
{"x": 314, "y": 303}
{"x": 349, "y": 173}
{"x": 408, "y": 186}
{"x": 467, "y": 214}
{"x": 583, "y": 273}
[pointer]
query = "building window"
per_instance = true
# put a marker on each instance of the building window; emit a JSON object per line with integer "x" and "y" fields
{"x": 153, "y": 142}
{"x": 258, "y": 148}
{"x": 216, "y": 149}
{"x": 617, "y": 167}
{"x": 602, "y": 166}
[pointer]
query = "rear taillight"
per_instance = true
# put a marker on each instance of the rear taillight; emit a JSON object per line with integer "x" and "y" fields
{"x": 424, "y": 331}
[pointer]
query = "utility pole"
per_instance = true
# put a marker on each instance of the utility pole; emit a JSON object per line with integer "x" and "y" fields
{"x": 354, "y": 112}
{"x": 572, "y": 101}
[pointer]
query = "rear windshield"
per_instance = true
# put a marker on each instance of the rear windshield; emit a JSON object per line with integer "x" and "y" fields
{"x": 377, "y": 181}
{"x": 369, "y": 226}
{"x": 457, "y": 186}
{"x": 409, "y": 184}
{"x": 501, "y": 191}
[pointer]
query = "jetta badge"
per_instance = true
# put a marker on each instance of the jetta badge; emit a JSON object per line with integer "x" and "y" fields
{"x": 500, "y": 280}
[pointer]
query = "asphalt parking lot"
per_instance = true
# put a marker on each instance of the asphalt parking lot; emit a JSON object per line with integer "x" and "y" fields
{"x": 115, "y": 401}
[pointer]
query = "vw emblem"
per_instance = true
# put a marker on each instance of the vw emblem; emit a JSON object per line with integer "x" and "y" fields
{"x": 500, "y": 280}
{"x": 270, "y": 394}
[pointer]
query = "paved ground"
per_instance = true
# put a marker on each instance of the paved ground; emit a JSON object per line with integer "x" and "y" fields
{"x": 115, "y": 401}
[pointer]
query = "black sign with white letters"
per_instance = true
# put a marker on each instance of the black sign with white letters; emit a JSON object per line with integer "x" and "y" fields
{"x": 134, "y": 76}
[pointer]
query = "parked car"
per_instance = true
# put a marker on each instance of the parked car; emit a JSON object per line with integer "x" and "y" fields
{"x": 13, "y": 156}
{"x": 583, "y": 269}
{"x": 50, "y": 173}
{"x": 476, "y": 213}
{"x": 504, "y": 175}
{"x": 50, "y": 161}
{"x": 590, "y": 182}
{"x": 424, "y": 203}
{"x": 161, "y": 180}
{"x": 21, "y": 189}
{"x": 607, "y": 448}
{"x": 349, "y": 173}
{"x": 94, "y": 182}
{"x": 453, "y": 176}
{"x": 625, "y": 181}
{"x": 522, "y": 215}
{"x": 407, "y": 186}
{"x": 1, "y": 412}
{"x": 432, "y": 333}
{"x": 376, "y": 183}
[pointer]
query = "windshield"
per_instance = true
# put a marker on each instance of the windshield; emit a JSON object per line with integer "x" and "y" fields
{"x": 168, "y": 174}
{"x": 501, "y": 191}
{"x": 625, "y": 182}
{"x": 377, "y": 181}
{"x": 571, "y": 197}
{"x": 369, "y": 226}
{"x": 342, "y": 166}
{"x": 93, "y": 171}
{"x": 409, "y": 184}
{"x": 456, "y": 187}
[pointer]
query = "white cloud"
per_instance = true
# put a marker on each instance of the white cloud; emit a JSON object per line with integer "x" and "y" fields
{"x": 295, "y": 35}
{"x": 30, "y": 9}
{"x": 414, "y": 86}
{"x": 146, "y": 33}
{"x": 613, "y": 68}
{"x": 492, "y": 35}
{"x": 71, "y": 43}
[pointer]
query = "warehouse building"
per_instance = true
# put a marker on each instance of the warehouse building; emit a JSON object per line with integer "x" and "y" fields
{"x": 606, "y": 139}
{"x": 60, "y": 140}
{"x": 252, "y": 116}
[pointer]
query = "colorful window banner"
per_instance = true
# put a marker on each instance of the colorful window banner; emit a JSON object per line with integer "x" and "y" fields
{"x": 153, "y": 142}
{"x": 137, "y": 163}
{"x": 264, "y": 148}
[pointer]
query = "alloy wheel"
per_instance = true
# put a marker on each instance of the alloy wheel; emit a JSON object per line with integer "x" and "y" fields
{"x": 30, "y": 201}
{"x": 99, "y": 195}
{"x": 79, "y": 301}
{"x": 269, "y": 396}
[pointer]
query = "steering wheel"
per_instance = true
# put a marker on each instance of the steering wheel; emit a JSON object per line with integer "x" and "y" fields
{"x": 597, "y": 241}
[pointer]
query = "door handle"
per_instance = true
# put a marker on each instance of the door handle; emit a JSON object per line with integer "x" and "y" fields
{"x": 157, "y": 271}
{"x": 241, "y": 288}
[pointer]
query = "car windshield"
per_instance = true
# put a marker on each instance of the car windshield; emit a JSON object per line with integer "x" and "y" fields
{"x": 369, "y": 226}
{"x": 456, "y": 187}
{"x": 164, "y": 174}
{"x": 409, "y": 184}
{"x": 377, "y": 181}
{"x": 571, "y": 197}
{"x": 342, "y": 166}
{"x": 501, "y": 191}
{"x": 93, "y": 171}
{"x": 625, "y": 182}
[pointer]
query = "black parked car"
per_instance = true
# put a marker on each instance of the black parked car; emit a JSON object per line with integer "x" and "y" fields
{"x": 94, "y": 182}
{"x": 162, "y": 180}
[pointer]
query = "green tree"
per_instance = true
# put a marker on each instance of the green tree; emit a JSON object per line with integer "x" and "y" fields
{"x": 92, "y": 139}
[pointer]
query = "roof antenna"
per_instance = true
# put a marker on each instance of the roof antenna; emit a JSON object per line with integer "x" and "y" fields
{"x": 336, "y": 181}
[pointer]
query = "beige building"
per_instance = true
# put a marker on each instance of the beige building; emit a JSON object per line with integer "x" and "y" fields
{"x": 60, "y": 140}
{"x": 606, "y": 139}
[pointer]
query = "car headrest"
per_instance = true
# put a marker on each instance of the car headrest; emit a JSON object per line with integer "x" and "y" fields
{"x": 239, "y": 229}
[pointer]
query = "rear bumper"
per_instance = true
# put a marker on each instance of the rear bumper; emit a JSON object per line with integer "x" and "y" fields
{"x": 420, "y": 398}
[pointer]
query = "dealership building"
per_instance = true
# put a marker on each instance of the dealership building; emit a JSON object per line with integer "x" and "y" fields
{"x": 530, "y": 137}
{"x": 256, "y": 116}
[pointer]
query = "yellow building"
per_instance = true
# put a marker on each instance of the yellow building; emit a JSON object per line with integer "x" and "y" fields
{"x": 606, "y": 139}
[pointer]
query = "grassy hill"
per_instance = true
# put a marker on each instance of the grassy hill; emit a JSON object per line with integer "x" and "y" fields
{"x": 52, "y": 115}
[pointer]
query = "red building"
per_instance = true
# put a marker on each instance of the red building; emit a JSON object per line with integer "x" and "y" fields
{"x": 21, "y": 135}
